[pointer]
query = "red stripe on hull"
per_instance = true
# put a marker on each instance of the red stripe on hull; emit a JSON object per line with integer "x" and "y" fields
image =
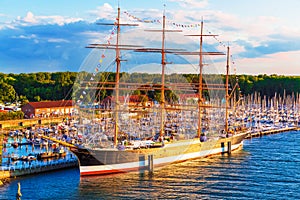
{"x": 112, "y": 171}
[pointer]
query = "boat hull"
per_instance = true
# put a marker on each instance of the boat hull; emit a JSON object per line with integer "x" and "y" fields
{"x": 105, "y": 161}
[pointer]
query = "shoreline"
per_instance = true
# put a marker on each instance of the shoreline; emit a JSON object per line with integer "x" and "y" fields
{"x": 24, "y": 123}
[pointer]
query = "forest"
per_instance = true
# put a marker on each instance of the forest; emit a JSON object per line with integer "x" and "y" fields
{"x": 42, "y": 86}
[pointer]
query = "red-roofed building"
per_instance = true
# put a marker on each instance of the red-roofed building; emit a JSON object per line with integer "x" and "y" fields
{"x": 48, "y": 108}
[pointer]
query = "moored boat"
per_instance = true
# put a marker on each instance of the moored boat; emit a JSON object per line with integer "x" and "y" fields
{"x": 45, "y": 155}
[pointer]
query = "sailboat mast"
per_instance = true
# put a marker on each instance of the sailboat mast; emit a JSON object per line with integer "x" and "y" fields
{"x": 200, "y": 83}
{"x": 117, "y": 80}
{"x": 163, "y": 64}
{"x": 227, "y": 94}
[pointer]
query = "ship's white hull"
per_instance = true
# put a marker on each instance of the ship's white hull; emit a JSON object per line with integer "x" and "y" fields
{"x": 142, "y": 165}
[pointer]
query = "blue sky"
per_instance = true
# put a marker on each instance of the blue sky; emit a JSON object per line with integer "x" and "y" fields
{"x": 44, "y": 35}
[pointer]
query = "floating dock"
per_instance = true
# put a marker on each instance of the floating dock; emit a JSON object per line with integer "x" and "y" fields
{"x": 272, "y": 131}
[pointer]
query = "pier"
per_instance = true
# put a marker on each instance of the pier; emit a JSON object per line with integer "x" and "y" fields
{"x": 261, "y": 133}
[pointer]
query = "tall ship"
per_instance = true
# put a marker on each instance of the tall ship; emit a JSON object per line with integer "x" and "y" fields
{"x": 135, "y": 116}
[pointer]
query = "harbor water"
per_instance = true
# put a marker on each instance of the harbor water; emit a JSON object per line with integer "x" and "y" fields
{"x": 266, "y": 168}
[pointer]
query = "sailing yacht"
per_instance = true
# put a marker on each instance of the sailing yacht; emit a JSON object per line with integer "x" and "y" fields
{"x": 173, "y": 127}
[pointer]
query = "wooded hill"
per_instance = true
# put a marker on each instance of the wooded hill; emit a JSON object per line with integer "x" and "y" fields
{"x": 58, "y": 85}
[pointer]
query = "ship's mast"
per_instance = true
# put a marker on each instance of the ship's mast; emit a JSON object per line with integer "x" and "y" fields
{"x": 117, "y": 47}
{"x": 200, "y": 85}
{"x": 163, "y": 66}
{"x": 227, "y": 92}
{"x": 163, "y": 50}
{"x": 200, "y": 99}
{"x": 118, "y": 61}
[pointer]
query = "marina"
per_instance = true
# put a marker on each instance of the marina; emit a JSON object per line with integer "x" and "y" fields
{"x": 157, "y": 109}
{"x": 19, "y": 167}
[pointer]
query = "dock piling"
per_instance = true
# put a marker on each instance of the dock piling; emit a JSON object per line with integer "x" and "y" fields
{"x": 229, "y": 147}
{"x": 150, "y": 163}
{"x": 223, "y": 147}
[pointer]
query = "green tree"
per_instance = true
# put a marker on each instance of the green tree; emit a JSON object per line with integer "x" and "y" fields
{"x": 7, "y": 92}
{"x": 23, "y": 100}
{"x": 37, "y": 98}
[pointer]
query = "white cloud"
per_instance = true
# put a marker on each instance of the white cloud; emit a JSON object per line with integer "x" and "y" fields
{"x": 105, "y": 11}
{"x": 32, "y": 36}
{"x": 7, "y": 26}
{"x": 31, "y": 19}
{"x": 255, "y": 31}
{"x": 279, "y": 63}
{"x": 282, "y": 63}
{"x": 235, "y": 48}
{"x": 58, "y": 40}
{"x": 192, "y": 3}
{"x": 94, "y": 37}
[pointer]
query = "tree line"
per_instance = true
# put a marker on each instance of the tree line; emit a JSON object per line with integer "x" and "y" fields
{"x": 269, "y": 85}
{"x": 42, "y": 86}
{"x": 39, "y": 86}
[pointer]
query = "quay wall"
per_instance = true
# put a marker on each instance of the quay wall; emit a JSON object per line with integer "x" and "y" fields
{"x": 8, "y": 124}
{"x": 35, "y": 169}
